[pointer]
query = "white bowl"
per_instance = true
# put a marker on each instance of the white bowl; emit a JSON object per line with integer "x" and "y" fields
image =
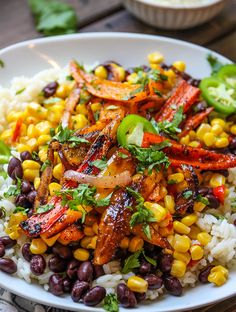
{"x": 28, "y": 58}
{"x": 174, "y": 17}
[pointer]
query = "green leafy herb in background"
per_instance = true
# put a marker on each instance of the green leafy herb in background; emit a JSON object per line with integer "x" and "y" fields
{"x": 53, "y": 17}
{"x": 111, "y": 303}
{"x": 214, "y": 63}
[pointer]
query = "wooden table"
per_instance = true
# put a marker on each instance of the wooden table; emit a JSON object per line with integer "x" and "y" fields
{"x": 16, "y": 24}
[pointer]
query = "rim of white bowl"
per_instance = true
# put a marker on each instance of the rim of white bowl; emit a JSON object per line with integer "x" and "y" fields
{"x": 155, "y": 3}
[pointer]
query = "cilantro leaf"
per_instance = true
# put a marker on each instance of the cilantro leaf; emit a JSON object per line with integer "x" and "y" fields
{"x": 148, "y": 259}
{"x": 3, "y": 212}
{"x": 111, "y": 303}
{"x": 20, "y": 91}
{"x": 44, "y": 208}
{"x": 52, "y": 100}
{"x": 132, "y": 262}
{"x": 13, "y": 190}
{"x": 66, "y": 135}
{"x": 2, "y": 63}
{"x": 214, "y": 63}
{"x": 46, "y": 164}
{"x": 21, "y": 209}
{"x": 202, "y": 199}
{"x": 122, "y": 155}
{"x": 100, "y": 163}
{"x": 187, "y": 194}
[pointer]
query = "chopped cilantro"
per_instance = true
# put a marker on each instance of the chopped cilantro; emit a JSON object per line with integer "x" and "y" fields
{"x": 13, "y": 190}
{"x": 35, "y": 155}
{"x": 21, "y": 209}
{"x": 122, "y": 155}
{"x": 52, "y": 132}
{"x": 202, "y": 199}
{"x": 69, "y": 78}
{"x": 171, "y": 181}
{"x": 20, "y": 91}
{"x": 111, "y": 303}
{"x": 44, "y": 208}
{"x": 46, "y": 164}
{"x": 66, "y": 135}
{"x": 100, "y": 163}
{"x": 52, "y": 100}
{"x": 2, "y": 212}
{"x": 148, "y": 259}
{"x": 2, "y": 63}
{"x": 157, "y": 92}
{"x": 214, "y": 63}
{"x": 132, "y": 262}
{"x": 187, "y": 194}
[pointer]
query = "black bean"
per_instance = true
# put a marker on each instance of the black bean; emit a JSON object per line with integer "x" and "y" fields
{"x": 72, "y": 269}
{"x": 145, "y": 267}
{"x": 154, "y": 281}
{"x": 232, "y": 144}
{"x": 15, "y": 169}
{"x": 22, "y": 201}
{"x": 165, "y": 263}
{"x": 57, "y": 264}
{"x": 200, "y": 107}
{"x": 26, "y": 253}
{"x": 172, "y": 285}
{"x": 2, "y": 250}
{"x": 149, "y": 247}
{"x": 164, "y": 66}
{"x": 203, "y": 275}
{"x": 25, "y": 156}
{"x": 213, "y": 201}
{"x": 140, "y": 296}
{"x": 125, "y": 296}
{"x": 37, "y": 265}
{"x": 31, "y": 196}
{"x": 7, "y": 241}
{"x": 194, "y": 82}
{"x": 25, "y": 187}
{"x": 30, "y": 212}
{"x": 62, "y": 251}
{"x": 8, "y": 266}
{"x": 56, "y": 285}
{"x": 67, "y": 284}
{"x": 85, "y": 272}
{"x": 98, "y": 271}
{"x": 203, "y": 190}
{"x": 50, "y": 89}
{"x": 120, "y": 253}
{"x": 94, "y": 296}
{"x": 78, "y": 290}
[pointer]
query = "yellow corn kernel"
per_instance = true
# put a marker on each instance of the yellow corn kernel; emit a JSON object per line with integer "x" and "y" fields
{"x": 81, "y": 109}
{"x": 155, "y": 58}
{"x": 178, "y": 268}
{"x": 218, "y": 121}
{"x": 209, "y": 139}
{"x": 36, "y": 110}
{"x": 192, "y": 135}
{"x": 31, "y": 120}
{"x": 14, "y": 116}
{"x": 30, "y": 164}
{"x": 194, "y": 232}
{"x": 96, "y": 106}
{"x": 85, "y": 241}
{"x": 171, "y": 240}
{"x": 224, "y": 135}
{"x": 216, "y": 129}
{"x": 55, "y": 112}
{"x": 121, "y": 73}
{"x": 7, "y": 135}
{"x": 180, "y": 227}
{"x": 50, "y": 241}
{"x": 176, "y": 177}
{"x": 169, "y": 203}
{"x": 124, "y": 244}
{"x": 233, "y": 129}
{"x": 88, "y": 231}
{"x": 44, "y": 139}
{"x": 136, "y": 244}
{"x": 194, "y": 144}
{"x": 171, "y": 76}
{"x": 182, "y": 256}
{"x": 222, "y": 142}
{"x": 43, "y": 127}
{"x": 32, "y": 144}
{"x": 180, "y": 65}
{"x": 53, "y": 188}
{"x": 217, "y": 180}
{"x": 23, "y": 147}
{"x": 79, "y": 121}
{"x": 132, "y": 78}
{"x": 38, "y": 246}
{"x": 181, "y": 243}
{"x": 31, "y": 174}
{"x": 159, "y": 212}
{"x": 137, "y": 284}
{"x": 218, "y": 275}
{"x": 32, "y": 132}
{"x": 196, "y": 252}
{"x": 43, "y": 154}
{"x": 101, "y": 72}
{"x": 36, "y": 183}
{"x": 189, "y": 220}
{"x": 95, "y": 228}
{"x": 64, "y": 90}
{"x": 198, "y": 206}
{"x": 81, "y": 254}
{"x": 57, "y": 171}
{"x": 185, "y": 140}
{"x": 202, "y": 130}
{"x": 204, "y": 238}
{"x": 93, "y": 243}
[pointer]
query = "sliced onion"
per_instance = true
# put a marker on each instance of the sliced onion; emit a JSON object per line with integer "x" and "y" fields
{"x": 121, "y": 179}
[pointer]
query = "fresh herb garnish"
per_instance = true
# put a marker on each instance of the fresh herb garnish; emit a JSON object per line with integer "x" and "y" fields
{"x": 157, "y": 92}
{"x": 44, "y": 208}
{"x": 187, "y": 194}
{"x": 84, "y": 96}
{"x": 111, "y": 303}
{"x": 66, "y": 135}
{"x": 52, "y": 100}
{"x": 100, "y": 163}
{"x": 2, "y": 212}
{"x": 53, "y": 17}
{"x": 171, "y": 181}
{"x": 69, "y": 78}
{"x": 214, "y": 63}
{"x": 133, "y": 262}
{"x": 2, "y": 63}
{"x": 52, "y": 132}
{"x": 202, "y": 199}
{"x": 122, "y": 155}
{"x": 21, "y": 209}
{"x": 218, "y": 216}
{"x": 20, "y": 91}
{"x": 13, "y": 190}
{"x": 46, "y": 164}
{"x": 35, "y": 155}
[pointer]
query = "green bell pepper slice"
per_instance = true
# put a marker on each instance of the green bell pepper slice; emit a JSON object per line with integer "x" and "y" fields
{"x": 219, "y": 94}
{"x": 131, "y": 130}
{"x": 5, "y": 153}
{"x": 227, "y": 73}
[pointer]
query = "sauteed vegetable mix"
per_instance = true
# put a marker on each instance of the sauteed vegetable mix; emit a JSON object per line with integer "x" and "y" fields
{"x": 119, "y": 182}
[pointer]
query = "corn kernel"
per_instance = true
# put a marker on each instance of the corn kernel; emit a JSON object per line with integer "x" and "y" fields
{"x": 101, "y": 72}
{"x": 217, "y": 180}
{"x": 121, "y": 73}
{"x": 43, "y": 127}
{"x": 93, "y": 243}
{"x": 224, "y": 135}
{"x": 36, "y": 182}
{"x": 194, "y": 144}
{"x": 14, "y": 116}
{"x": 64, "y": 90}
{"x": 137, "y": 284}
{"x": 233, "y": 129}
{"x": 132, "y": 78}
{"x": 218, "y": 275}
{"x": 31, "y": 174}
{"x": 32, "y": 132}
{"x": 159, "y": 212}
{"x": 32, "y": 144}
{"x": 85, "y": 241}
{"x": 181, "y": 243}
{"x": 192, "y": 135}
{"x": 189, "y": 220}
{"x": 96, "y": 106}
{"x": 218, "y": 121}
{"x": 44, "y": 139}
{"x": 209, "y": 139}
{"x": 36, "y": 110}
{"x": 196, "y": 252}
{"x": 182, "y": 256}
{"x": 7, "y": 135}
{"x": 53, "y": 188}
{"x": 169, "y": 203}
{"x": 185, "y": 140}
{"x": 180, "y": 227}
{"x": 124, "y": 244}
{"x": 202, "y": 130}
{"x": 43, "y": 154}
{"x": 178, "y": 268}
{"x": 88, "y": 231}
{"x": 204, "y": 238}
{"x": 81, "y": 109}
{"x": 79, "y": 121}
{"x": 155, "y": 58}
{"x": 198, "y": 206}
{"x": 57, "y": 171}
{"x": 81, "y": 254}
{"x": 177, "y": 177}
{"x": 180, "y": 65}
{"x": 50, "y": 241}
{"x": 136, "y": 244}
{"x": 30, "y": 164}
{"x": 194, "y": 232}
{"x": 23, "y": 148}
{"x": 216, "y": 129}
{"x": 95, "y": 228}
{"x": 222, "y": 142}
{"x": 171, "y": 240}
{"x": 38, "y": 246}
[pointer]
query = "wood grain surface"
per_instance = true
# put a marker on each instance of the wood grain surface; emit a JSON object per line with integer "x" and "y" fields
{"x": 16, "y": 24}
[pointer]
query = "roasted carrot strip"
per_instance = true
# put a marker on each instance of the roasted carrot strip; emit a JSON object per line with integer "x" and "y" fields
{"x": 185, "y": 95}
{"x": 194, "y": 121}
{"x": 199, "y": 158}
{"x": 71, "y": 102}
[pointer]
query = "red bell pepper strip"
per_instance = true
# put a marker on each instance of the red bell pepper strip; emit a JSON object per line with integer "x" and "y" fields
{"x": 199, "y": 158}
{"x": 219, "y": 193}
{"x": 16, "y": 132}
{"x": 194, "y": 121}
{"x": 185, "y": 95}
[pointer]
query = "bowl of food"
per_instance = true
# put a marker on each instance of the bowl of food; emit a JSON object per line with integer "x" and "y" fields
{"x": 174, "y": 14}
{"x": 117, "y": 184}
